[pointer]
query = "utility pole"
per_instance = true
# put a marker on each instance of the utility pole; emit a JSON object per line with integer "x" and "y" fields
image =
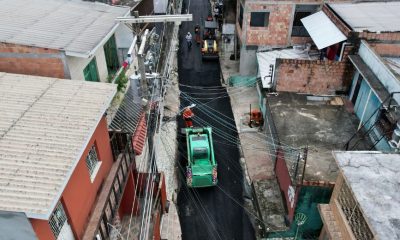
{"x": 142, "y": 69}
{"x": 133, "y": 22}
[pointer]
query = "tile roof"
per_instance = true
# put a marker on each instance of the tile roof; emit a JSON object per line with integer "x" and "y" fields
{"x": 71, "y": 26}
{"x": 45, "y": 125}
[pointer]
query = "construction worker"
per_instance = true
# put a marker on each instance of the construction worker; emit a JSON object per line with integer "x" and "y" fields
{"x": 189, "y": 39}
{"x": 187, "y": 116}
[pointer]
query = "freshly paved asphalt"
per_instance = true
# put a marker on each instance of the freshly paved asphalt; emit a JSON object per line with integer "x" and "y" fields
{"x": 216, "y": 212}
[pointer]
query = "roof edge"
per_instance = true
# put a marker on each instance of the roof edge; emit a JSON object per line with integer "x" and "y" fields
{"x": 56, "y": 200}
{"x": 101, "y": 43}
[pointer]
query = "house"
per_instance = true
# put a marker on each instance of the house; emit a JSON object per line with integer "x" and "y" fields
{"x": 375, "y": 93}
{"x": 64, "y": 175}
{"x": 264, "y": 25}
{"x": 303, "y": 131}
{"x": 63, "y": 39}
{"x": 321, "y": 66}
{"x": 364, "y": 202}
{"x": 55, "y": 151}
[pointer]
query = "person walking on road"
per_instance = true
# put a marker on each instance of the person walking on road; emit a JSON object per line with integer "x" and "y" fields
{"x": 187, "y": 116}
{"x": 189, "y": 39}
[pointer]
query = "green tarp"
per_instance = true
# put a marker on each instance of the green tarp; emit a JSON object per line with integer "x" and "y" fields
{"x": 308, "y": 200}
{"x": 242, "y": 81}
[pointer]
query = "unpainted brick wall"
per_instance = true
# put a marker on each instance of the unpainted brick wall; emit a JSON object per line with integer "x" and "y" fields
{"x": 301, "y": 40}
{"x": 383, "y": 36}
{"x": 386, "y": 49}
{"x": 47, "y": 67}
{"x": 312, "y": 76}
{"x": 337, "y": 21}
{"x": 277, "y": 32}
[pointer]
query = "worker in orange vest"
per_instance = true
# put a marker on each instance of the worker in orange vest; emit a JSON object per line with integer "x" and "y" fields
{"x": 187, "y": 116}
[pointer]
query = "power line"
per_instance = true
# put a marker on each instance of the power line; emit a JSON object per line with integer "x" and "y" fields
{"x": 184, "y": 183}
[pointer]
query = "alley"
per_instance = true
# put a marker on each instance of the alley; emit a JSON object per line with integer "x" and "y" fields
{"x": 217, "y": 212}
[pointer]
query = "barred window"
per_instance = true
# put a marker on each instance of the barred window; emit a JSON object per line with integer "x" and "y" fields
{"x": 57, "y": 219}
{"x": 92, "y": 160}
{"x": 353, "y": 214}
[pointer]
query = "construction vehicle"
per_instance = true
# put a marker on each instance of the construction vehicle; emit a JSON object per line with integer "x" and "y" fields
{"x": 201, "y": 170}
{"x": 209, "y": 50}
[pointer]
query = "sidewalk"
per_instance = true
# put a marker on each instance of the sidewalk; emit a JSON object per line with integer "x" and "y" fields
{"x": 259, "y": 166}
{"x": 166, "y": 146}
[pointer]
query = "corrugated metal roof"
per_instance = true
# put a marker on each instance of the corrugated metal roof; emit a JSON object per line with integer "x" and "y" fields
{"x": 370, "y": 16}
{"x": 393, "y": 63}
{"x": 322, "y": 30}
{"x": 72, "y": 26}
{"x": 45, "y": 125}
{"x": 128, "y": 115}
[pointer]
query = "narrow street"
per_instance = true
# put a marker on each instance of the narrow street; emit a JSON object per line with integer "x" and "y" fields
{"x": 217, "y": 212}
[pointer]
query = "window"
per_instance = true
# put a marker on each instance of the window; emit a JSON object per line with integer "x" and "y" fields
{"x": 353, "y": 214}
{"x": 90, "y": 72}
{"x": 110, "y": 51}
{"x": 57, "y": 219}
{"x": 92, "y": 162}
{"x": 259, "y": 19}
{"x": 200, "y": 153}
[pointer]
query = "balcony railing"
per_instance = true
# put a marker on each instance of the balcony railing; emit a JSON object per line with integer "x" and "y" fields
{"x": 109, "y": 199}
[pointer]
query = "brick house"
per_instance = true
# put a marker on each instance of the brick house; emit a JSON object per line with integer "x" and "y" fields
{"x": 270, "y": 24}
{"x": 364, "y": 203}
{"x": 63, "y": 39}
{"x": 323, "y": 66}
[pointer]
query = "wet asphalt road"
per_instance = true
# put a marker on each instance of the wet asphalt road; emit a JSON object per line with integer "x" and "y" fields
{"x": 216, "y": 212}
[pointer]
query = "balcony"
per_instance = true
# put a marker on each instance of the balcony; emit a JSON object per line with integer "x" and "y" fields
{"x": 110, "y": 195}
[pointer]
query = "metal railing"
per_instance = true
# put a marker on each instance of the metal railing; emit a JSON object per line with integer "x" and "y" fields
{"x": 109, "y": 199}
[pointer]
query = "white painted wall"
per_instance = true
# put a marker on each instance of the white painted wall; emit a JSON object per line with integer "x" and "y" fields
{"x": 123, "y": 40}
{"x": 76, "y": 65}
{"x": 248, "y": 62}
{"x": 123, "y": 36}
{"x": 380, "y": 69}
{"x": 160, "y": 6}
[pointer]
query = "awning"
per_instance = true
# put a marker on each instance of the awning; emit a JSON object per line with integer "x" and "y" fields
{"x": 372, "y": 80}
{"x": 139, "y": 137}
{"x": 322, "y": 30}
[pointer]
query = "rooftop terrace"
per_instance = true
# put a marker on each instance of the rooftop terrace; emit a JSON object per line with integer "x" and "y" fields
{"x": 321, "y": 123}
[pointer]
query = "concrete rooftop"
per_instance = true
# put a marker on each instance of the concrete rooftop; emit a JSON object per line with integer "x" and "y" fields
{"x": 374, "y": 180}
{"x": 317, "y": 123}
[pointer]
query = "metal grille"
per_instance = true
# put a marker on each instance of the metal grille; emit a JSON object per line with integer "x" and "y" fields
{"x": 353, "y": 214}
{"x": 57, "y": 219}
{"x": 91, "y": 160}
